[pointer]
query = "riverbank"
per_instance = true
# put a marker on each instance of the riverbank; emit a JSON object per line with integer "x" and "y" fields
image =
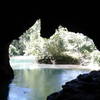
{"x": 51, "y": 66}
{"x": 30, "y": 62}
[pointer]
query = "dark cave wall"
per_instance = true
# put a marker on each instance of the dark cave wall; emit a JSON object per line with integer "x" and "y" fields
{"x": 5, "y": 70}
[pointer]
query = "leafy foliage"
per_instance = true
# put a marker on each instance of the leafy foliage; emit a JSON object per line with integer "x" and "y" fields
{"x": 62, "y": 47}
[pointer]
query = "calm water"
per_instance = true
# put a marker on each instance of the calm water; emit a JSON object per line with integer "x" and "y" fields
{"x": 38, "y": 83}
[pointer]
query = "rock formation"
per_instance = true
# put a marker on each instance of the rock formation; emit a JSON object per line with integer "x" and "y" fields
{"x": 84, "y": 87}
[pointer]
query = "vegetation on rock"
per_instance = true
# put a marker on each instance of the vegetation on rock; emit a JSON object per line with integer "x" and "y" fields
{"x": 63, "y": 47}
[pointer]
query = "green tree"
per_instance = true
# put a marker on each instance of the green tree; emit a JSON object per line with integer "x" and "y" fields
{"x": 62, "y": 47}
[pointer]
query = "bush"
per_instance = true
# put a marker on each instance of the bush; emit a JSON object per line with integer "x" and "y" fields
{"x": 66, "y": 60}
{"x": 63, "y": 47}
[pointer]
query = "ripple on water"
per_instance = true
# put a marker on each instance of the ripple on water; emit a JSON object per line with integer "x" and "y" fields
{"x": 18, "y": 93}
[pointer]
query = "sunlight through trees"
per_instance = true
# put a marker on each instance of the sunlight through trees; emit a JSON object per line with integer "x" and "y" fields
{"x": 62, "y": 47}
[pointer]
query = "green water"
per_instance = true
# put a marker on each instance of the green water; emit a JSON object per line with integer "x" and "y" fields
{"x": 37, "y": 84}
{"x": 36, "y": 81}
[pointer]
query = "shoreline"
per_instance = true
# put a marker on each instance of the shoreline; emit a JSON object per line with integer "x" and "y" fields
{"x": 34, "y": 65}
{"x": 52, "y": 66}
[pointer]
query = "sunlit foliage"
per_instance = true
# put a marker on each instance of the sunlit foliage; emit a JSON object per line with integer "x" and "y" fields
{"x": 62, "y": 47}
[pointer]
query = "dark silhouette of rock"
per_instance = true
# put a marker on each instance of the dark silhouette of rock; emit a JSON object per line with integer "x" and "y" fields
{"x": 4, "y": 89}
{"x": 84, "y": 87}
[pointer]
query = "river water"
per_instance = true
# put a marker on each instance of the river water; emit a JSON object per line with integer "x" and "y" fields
{"x": 37, "y": 81}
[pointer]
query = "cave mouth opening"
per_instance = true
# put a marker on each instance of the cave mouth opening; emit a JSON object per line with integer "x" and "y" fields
{"x": 63, "y": 47}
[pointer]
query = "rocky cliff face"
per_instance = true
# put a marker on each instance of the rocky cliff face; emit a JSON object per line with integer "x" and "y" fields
{"x": 84, "y": 87}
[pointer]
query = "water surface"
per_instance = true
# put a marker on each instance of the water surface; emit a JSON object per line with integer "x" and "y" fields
{"x": 38, "y": 83}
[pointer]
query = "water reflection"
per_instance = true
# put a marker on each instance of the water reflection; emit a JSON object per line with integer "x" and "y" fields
{"x": 37, "y": 84}
{"x": 18, "y": 92}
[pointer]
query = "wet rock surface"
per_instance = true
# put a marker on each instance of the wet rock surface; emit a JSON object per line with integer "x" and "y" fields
{"x": 84, "y": 87}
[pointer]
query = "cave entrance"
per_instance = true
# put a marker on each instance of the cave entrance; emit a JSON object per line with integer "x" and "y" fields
{"x": 63, "y": 47}
{"x": 56, "y": 59}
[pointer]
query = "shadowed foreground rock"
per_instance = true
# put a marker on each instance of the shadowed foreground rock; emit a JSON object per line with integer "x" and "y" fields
{"x": 84, "y": 87}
